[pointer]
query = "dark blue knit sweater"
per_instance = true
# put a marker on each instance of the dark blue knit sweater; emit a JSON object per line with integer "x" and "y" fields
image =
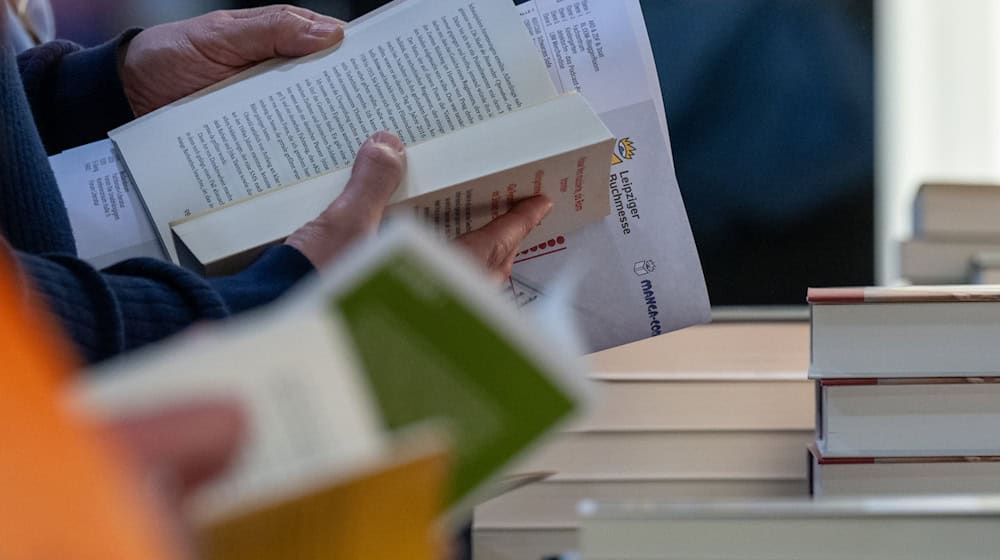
{"x": 59, "y": 96}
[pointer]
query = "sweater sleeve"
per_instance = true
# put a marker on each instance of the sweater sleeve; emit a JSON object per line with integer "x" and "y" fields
{"x": 140, "y": 301}
{"x": 76, "y": 94}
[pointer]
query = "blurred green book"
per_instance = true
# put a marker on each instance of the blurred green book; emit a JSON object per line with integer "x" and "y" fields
{"x": 400, "y": 333}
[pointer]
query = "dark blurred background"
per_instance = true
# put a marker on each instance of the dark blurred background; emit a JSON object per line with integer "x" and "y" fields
{"x": 771, "y": 111}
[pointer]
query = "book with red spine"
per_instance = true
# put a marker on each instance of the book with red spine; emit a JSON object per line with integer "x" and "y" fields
{"x": 905, "y": 332}
{"x": 853, "y": 476}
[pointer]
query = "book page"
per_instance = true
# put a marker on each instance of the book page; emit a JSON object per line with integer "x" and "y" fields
{"x": 420, "y": 70}
{"x": 108, "y": 220}
{"x": 643, "y": 274}
{"x": 454, "y": 184}
{"x": 308, "y": 413}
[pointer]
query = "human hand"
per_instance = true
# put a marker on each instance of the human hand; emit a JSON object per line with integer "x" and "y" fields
{"x": 496, "y": 244}
{"x": 178, "y": 449}
{"x": 357, "y": 212}
{"x": 167, "y": 62}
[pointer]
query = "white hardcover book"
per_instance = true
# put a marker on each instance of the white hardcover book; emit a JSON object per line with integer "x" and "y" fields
{"x": 941, "y": 261}
{"x": 694, "y": 401}
{"x": 903, "y": 476}
{"x": 519, "y": 544}
{"x": 553, "y": 503}
{"x": 957, "y": 210}
{"x": 830, "y": 529}
{"x": 909, "y": 417}
{"x": 920, "y": 331}
{"x": 679, "y": 454}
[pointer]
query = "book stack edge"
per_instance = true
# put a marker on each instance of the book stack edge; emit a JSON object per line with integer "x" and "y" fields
{"x": 907, "y": 390}
{"x": 721, "y": 411}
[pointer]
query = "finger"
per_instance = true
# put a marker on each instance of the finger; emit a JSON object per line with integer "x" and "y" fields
{"x": 378, "y": 169}
{"x": 189, "y": 443}
{"x": 496, "y": 244}
{"x": 281, "y": 33}
{"x": 306, "y": 13}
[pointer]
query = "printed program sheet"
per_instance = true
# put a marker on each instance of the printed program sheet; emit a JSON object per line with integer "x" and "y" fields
{"x": 108, "y": 220}
{"x": 643, "y": 276}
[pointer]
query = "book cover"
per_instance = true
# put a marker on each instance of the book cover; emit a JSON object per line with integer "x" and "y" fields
{"x": 389, "y": 509}
{"x": 823, "y": 460}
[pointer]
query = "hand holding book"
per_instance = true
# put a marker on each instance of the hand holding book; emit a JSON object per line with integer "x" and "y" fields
{"x": 168, "y": 62}
{"x": 358, "y": 210}
{"x": 178, "y": 449}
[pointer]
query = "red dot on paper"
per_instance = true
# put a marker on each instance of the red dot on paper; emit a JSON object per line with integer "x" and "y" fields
{"x": 533, "y": 249}
{"x": 552, "y": 242}
{"x": 560, "y": 240}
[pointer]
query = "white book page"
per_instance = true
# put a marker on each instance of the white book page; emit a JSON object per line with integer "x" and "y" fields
{"x": 420, "y": 70}
{"x": 108, "y": 220}
{"x": 643, "y": 274}
{"x": 456, "y": 184}
{"x": 309, "y": 414}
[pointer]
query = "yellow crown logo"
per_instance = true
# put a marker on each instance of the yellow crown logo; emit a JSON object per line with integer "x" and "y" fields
{"x": 623, "y": 151}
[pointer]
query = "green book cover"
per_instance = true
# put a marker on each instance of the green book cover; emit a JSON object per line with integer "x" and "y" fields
{"x": 429, "y": 354}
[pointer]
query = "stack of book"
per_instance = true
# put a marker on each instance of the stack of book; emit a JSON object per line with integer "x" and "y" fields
{"x": 908, "y": 393}
{"x": 715, "y": 411}
{"x": 956, "y": 235}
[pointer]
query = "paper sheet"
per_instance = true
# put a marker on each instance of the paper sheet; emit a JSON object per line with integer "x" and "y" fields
{"x": 643, "y": 274}
{"x": 108, "y": 220}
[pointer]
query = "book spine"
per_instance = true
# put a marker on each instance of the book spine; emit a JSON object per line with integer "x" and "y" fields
{"x": 905, "y": 460}
{"x": 835, "y": 295}
{"x": 858, "y": 381}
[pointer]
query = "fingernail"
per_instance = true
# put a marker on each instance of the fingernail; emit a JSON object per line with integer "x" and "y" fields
{"x": 325, "y": 29}
{"x": 388, "y": 140}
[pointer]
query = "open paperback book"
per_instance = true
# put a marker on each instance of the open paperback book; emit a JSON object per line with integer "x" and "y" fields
{"x": 237, "y": 167}
{"x": 399, "y": 334}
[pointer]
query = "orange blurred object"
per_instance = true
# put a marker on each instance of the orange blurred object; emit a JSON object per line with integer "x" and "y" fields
{"x": 64, "y": 492}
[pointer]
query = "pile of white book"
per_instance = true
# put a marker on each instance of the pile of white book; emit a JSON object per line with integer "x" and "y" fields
{"x": 721, "y": 411}
{"x": 908, "y": 394}
{"x": 956, "y": 236}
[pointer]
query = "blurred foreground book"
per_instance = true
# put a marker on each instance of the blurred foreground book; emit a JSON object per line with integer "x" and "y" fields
{"x": 401, "y": 338}
{"x": 64, "y": 490}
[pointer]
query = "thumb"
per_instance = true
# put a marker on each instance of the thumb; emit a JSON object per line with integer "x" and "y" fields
{"x": 378, "y": 170}
{"x": 189, "y": 443}
{"x": 276, "y": 32}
